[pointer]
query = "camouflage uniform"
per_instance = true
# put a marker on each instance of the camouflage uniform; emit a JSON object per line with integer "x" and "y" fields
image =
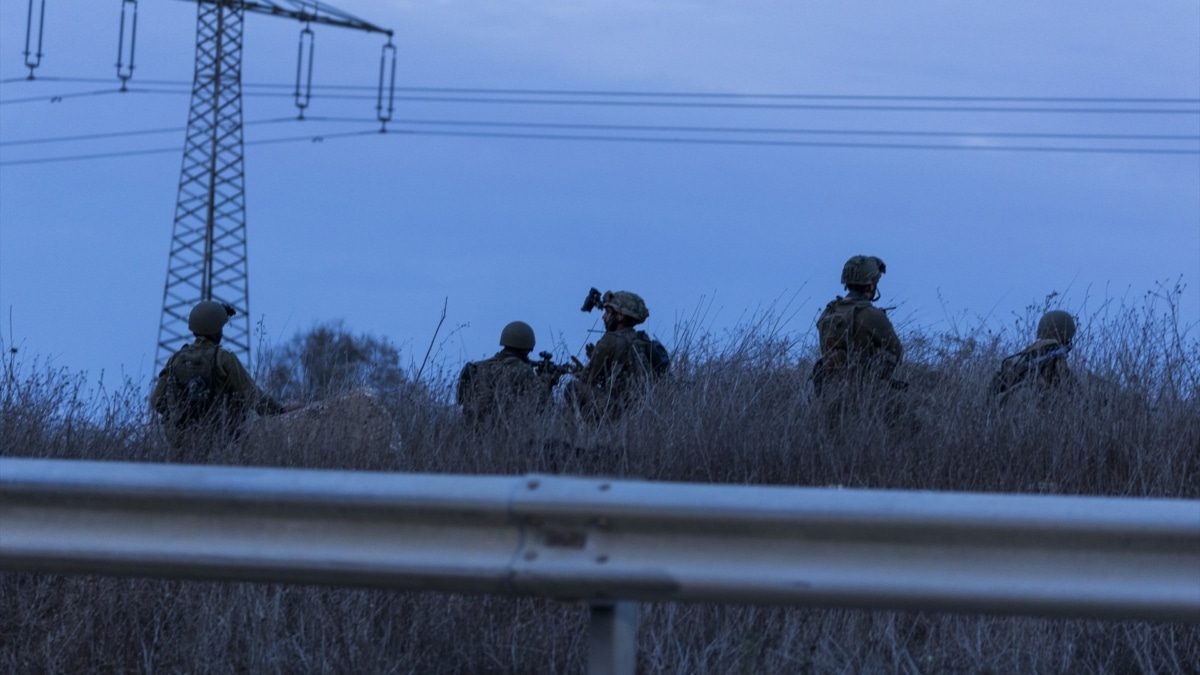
{"x": 234, "y": 391}
{"x": 1042, "y": 366}
{"x": 858, "y": 342}
{"x": 494, "y": 388}
{"x": 619, "y": 365}
{"x": 619, "y": 360}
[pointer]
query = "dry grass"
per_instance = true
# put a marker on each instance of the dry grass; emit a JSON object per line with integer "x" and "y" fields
{"x": 736, "y": 410}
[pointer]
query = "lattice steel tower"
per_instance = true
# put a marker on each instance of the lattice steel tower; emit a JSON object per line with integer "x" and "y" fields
{"x": 208, "y": 259}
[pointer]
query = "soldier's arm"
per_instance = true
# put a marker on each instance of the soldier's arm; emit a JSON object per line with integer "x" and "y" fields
{"x": 875, "y": 323}
{"x": 540, "y": 387}
{"x": 462, "y": 390}
{"x": 600, "y": 363}
{"x": 160, "y": 388}
{"x": 239, "y": 383}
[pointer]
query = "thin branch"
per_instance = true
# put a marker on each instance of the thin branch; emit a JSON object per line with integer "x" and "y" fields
{"x": 433, "y": 339}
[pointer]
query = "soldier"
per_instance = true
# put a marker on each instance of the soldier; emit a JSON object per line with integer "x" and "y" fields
{"x": 1042, "y": 365}
{"x": 619, "y": 362}
{"x": 204, "y": 390}
{"x": 505, "y": 383}
{"x": 858, "y": 343}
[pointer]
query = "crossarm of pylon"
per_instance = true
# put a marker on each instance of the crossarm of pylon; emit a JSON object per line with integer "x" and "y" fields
{"x": 308, "y": 12}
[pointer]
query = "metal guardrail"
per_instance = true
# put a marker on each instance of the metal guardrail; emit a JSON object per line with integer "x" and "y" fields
{"x": 604, "y": 541}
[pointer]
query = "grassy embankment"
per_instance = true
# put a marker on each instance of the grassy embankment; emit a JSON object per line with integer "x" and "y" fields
{"x": 737, "y": 410}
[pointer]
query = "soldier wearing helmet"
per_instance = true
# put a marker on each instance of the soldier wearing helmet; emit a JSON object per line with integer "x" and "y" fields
{"x": 1042, "y": 365}
{"x": 504, "y": 384}
{"x": 857, "y": 340}
{"x": 619, "y": 361}
{"x": 206, "y": 388}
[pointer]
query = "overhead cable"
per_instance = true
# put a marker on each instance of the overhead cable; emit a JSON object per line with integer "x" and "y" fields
{"x": 55, "y": 98}
{"x": 748, "y": 106}
{"x": 800, "y": 131}
{"x": 138, "y": 132}
{"x": 311, "y": 138}
{"x": 650, "y": 128}
{"x": 807, "y": 144}
{"x": 672, "y": 94}
{"x": 317, "y": 138}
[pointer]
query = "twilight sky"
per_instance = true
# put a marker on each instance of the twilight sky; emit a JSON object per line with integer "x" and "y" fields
{"x": 380, "y": 230}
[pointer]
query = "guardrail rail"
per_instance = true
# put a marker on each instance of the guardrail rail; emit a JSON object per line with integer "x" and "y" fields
{"x": 608, "y": 542}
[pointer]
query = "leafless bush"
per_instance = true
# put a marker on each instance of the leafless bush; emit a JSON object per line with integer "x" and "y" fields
{"x": 736, "y": 409}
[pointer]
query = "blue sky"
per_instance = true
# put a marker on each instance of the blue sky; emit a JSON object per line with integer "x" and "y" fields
{"x": 380, "y": 230}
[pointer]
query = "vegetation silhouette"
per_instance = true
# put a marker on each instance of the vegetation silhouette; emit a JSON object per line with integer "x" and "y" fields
{"x": 737, "y": 408}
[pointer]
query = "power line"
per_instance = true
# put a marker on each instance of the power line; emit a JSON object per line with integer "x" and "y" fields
{"x": 102, "y": 155}
{"x": 650, "y": 128}
{"x": 140, "y": 132}
{"x": 798, "y": 131}
{"x": 815, "y": 97}
{"x": 782, "y": 106}
{"x": 55, "y": 98}
{"x": 573, "y": 102}
{"x": 745, "y": 106}
{"x": 316, "y": 138}
{"x": 646, "y": 139}
{"x": 674, "y": 94}
{"x": 807, "y": 144}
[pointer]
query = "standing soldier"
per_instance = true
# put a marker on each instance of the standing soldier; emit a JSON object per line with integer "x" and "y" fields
{"x": 858, "y": 343}
{"x": 204, "y": 392}
{"x": 1042, "y": 365}
{"x": 620, "y": 361}
{"x": 497, "y": 387}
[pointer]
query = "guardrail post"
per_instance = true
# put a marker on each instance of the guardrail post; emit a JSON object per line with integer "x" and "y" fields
{"x": 612, "y": 639}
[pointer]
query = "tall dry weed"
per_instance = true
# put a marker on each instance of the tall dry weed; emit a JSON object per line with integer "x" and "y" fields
{"x": 737, "y": 409}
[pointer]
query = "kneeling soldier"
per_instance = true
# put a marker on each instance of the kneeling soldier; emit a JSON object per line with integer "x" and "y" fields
{"x": 505, "y": 383}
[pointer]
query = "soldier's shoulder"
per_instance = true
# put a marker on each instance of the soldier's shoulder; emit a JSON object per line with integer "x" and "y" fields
{"x": 504, "y": 362}
{"x": 869, "y": 315}
{"x": 228, "y": 362}
{"x": 173, "y": 359}
{"x": 513, "y": 362}
{"x": 1038, "y": 347}
{"x": 610, "y": 339}
{"x": 837, "y": 302}
{"x": 225, "y": 357}
{"x": 483, "y": 365}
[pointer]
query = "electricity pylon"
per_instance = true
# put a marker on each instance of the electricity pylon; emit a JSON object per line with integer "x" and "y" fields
{"x": 208, "y": 244}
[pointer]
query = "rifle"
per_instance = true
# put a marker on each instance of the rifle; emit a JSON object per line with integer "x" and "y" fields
{"x": 1061, "y": 350}
{"x": 552, "y": 372}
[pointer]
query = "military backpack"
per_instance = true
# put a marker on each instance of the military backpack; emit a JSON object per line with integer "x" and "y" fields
{"x": 655, "y": 351}
{"x": 191, "y": 393}
{"x": 835, "y": 327}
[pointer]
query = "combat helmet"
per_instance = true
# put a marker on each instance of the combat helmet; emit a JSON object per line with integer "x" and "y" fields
{"x": 208, "y": 318}
{"x": 629, "y": 304}
{"x": 862, "y": 270}
{"x": 1056, "y": 325}
{"x": 518, "y": 335}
